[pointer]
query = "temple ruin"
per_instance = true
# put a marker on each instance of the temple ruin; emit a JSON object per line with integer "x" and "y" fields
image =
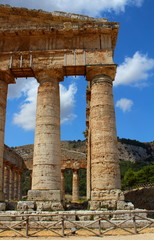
{"x": 13, "y": 166}
{"x": 49, "y": 46}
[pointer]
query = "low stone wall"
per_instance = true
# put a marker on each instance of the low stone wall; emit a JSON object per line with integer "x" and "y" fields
{"x": 83, "y": 218}
{"x": 142, "y": 198}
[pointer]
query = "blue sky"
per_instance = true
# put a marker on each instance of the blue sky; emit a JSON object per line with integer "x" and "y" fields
{"x": 133, "y": 86}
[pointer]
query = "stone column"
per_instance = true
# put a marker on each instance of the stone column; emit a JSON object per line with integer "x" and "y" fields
{"x": 88, "y": 143}
{"x": 19, "y": 185}
{"x": 6, "y": 182}
{"x": 75, "y": 186}
{"x": 30, "y": 176}
{"x": 46, "y": 176}
{"x": 11, "y": 185}
{"x": 63, "y": 185}
{"x": 3, "y": 98}
{"x": 16, "y": 185}
{"x": 88, "y": 165}
{"x": 105, "y": 171}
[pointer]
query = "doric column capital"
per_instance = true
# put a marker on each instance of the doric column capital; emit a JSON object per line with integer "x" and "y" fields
{"x": 104, "y": 70}
{"x": 49, "y": 75}
{"x": 101, "y": 79}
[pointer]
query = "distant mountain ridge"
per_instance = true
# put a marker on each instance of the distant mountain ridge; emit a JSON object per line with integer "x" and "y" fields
{"x": 129, "y": 150}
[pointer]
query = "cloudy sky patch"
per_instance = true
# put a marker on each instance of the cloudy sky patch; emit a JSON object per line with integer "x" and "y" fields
{"x": 134, "y": 71}
{"x": 92, "y": 8}
{"x": 125, "y": 104}
{"x": 26, "y": 89}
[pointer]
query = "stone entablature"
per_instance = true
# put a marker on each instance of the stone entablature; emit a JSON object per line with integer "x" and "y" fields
{"x": 65, "y": 25}
{"x": 73, "y": 160}
{"x": 13, "y": 159}
{"x": 43, "y": 40}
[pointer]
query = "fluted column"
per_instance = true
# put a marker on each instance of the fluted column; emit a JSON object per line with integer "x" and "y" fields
{"x": 3, "y": 98}
{"x": 88, "y": 143}
{"x": 6, "y": 182}
{"x": 11, "y": 185}
{"x": 19, "y": 185}
{"x": 88, "y": 170}
{"x": 16, "y": 185}
{"x": 75, "y": 186}
{"x": 105, "y": 171}
{"x": 46, "y": 176}
{"x": 63, "y": 184}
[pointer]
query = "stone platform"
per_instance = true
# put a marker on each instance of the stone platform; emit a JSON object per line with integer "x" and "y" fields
{"x": 109, "y": 199}
{"x": 39, "y": 206}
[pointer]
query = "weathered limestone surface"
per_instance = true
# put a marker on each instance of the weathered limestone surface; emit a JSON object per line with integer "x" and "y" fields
{"x": 105, "y": 172}
{"x": 75, "y": 186}
{"x": 105, "y": 163}
{"x": 85, "y": 218}
{"x": 12, "y": 163}
{"x": 53, "y": 40}
{"x": 88, "y": 141}
{"x": 16, "y": 181}
{"x": 3, "y": 97}
{"x": 6, "y": 182}
{"x": 62, "y": 185}
{"x": 47, "y": 155}
{"x": 48, "y": 46}
{"x": 11, "y": 186}
{"x": 19, "y": 186}
{"x": 11, "y": 158}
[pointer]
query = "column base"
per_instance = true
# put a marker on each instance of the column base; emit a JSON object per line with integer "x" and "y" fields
{"x": 44, "y": 195}
{"x": 110, "y": 200}
{"x": 42, "y": 200}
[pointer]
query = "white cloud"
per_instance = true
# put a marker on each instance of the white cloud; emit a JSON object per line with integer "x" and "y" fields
{"x": 20, "y": 88}
{"x": 25, "y": 118}
{"x": 134, "y": 71}
{"x": 124, "y": 104}
{"x": 93, "y": 8}
{"x": 67, "y": 102}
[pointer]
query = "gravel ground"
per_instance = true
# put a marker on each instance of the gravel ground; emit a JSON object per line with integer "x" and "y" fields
{"x": 116, "y": 234}
{"x": 145, "y": 236}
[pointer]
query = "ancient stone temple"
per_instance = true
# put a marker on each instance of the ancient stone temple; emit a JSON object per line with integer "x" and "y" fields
{"x": 49, "y": 46}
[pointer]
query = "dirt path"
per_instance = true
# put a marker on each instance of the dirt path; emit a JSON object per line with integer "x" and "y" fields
{"x": 145, "y": 236}
{"x": 116, "y": 234}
